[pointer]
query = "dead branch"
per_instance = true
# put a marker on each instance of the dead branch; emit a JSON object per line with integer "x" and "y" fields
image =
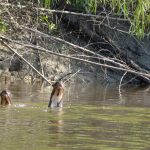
{"x": 120, "y": 84}
{"x": 72, "y": 76}
{"x": 144, "y": 76}
{"x": 73, "y": 45}
{"x": 10, "y": 48}
{"x": 64, "y": 12}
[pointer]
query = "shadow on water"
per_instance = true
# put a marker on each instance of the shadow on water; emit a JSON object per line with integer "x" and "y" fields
{"x": 94, "y": 117}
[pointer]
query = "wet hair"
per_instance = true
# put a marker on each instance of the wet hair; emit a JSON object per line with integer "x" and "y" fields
{"x": 56, "y": 84}
{"x": 5, "y": 99}
{"x": 4, "y": 92}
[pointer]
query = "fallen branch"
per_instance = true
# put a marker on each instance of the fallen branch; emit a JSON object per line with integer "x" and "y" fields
{"x": 144, "y": 76}
{"x": 120, "y": 84}
{"x": 64, "y": 12}
{"x": 10, "y": 48}
{"x": 70, "y": 44}
{"x": 71, "y": 76}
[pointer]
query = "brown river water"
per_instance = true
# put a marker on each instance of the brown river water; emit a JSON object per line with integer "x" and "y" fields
{"x": 94, "y": 117}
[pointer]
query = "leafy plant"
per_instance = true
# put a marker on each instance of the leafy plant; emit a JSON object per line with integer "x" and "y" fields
{"x": 51, "y": 25}
{"x": 49, "y": 3}
{"x": 137, "y": 11}
{"x": 3, "y": 26}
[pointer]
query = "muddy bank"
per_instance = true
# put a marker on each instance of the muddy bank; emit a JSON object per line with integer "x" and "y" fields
{"x": 110, "y": 40}
{"x": 53, "y": 67}
{"x": 107, "y": 43}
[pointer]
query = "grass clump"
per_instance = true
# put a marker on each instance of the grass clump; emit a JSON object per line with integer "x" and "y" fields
{"x": 136, "y": 11}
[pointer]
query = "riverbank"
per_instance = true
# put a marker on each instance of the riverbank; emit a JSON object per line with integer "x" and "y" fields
{"x": 55, "y": 43}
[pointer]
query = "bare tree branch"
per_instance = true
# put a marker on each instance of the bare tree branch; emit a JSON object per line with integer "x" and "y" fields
{"x": 145, "y": 76}
{"x": 6, "y": 45}
{"x": 64, "y": 12}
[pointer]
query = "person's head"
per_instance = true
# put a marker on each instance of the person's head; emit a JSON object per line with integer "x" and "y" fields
{"x": 56, "y": 95}
{"x": 5, "y": 98}
{"x": 57, "y": 84}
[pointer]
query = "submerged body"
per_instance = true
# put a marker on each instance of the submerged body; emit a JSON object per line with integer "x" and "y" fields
{"x": 56, "y": 95}
{"x": 5, "y": 98}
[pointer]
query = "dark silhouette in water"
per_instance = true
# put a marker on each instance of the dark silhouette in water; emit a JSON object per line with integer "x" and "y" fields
{"x": 56, "y": 95}
{"x": 5, "y": 98}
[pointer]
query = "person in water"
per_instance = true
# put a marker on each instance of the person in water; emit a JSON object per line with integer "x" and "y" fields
{"x": 56, "y": 95}
{"x": 5, "y": 98}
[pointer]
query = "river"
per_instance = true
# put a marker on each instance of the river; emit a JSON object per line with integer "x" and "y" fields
{"x": 94, "y": 117}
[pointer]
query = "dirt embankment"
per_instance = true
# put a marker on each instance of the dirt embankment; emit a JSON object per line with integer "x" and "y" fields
{"x": 107, "y": 38}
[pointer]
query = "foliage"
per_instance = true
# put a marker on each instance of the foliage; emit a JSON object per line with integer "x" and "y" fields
{"x": 136, "y": 11}
{"x": 49, "y": 3}
{"x": 85, "y": 5}
{"x": 51, "y": 25}
{"x": 3, "y": 26}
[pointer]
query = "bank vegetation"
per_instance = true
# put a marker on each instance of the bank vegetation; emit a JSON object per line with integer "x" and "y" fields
{"x": 49, "y": 39}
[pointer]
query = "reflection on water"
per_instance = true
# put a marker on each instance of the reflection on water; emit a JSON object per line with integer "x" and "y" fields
{"x": 94, "y": 117}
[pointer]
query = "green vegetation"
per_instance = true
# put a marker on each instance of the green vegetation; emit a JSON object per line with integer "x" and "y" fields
{"x": 51, "y": 25}
{"x": 3, "y": 26}
{"x": 136, "y": 11}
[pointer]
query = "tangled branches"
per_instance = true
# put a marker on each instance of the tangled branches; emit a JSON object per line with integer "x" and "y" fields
{"x": 34, "y": 30}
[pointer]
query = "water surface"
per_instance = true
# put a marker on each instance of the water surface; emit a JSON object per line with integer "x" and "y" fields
{"x": 94, "y": 117}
